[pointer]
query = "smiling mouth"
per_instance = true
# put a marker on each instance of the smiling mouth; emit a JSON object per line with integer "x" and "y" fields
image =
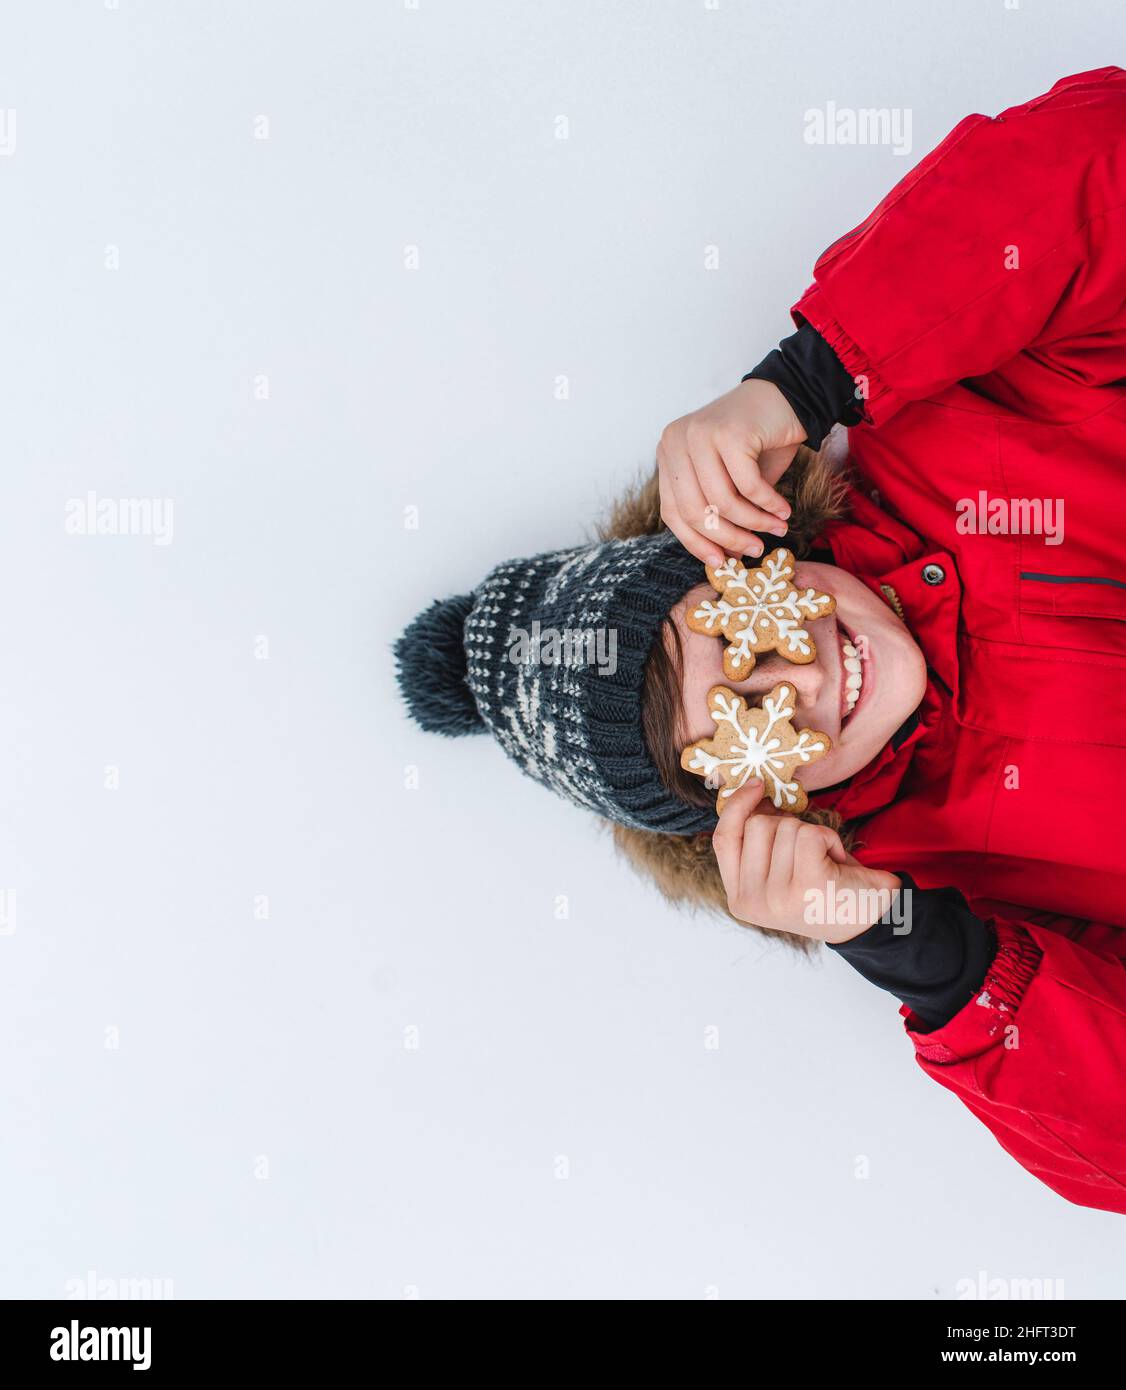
{"x": 852, "y": 669}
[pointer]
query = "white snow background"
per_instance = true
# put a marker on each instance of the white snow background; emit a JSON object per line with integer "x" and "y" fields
{"x": 413, "y": 1077}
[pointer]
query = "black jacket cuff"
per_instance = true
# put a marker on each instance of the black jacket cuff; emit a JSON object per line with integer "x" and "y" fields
{"x": 929, "y": 950}
{"x": 809, "y": 374}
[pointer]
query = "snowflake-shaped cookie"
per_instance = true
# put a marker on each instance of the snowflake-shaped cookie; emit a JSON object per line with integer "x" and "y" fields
{"x": 759, "y": 610}
{"x": 752, "y": 742}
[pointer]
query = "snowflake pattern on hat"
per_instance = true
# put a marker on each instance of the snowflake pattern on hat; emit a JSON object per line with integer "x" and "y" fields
{"x": 759, "y": 610}
{"x": 752, "y": 742}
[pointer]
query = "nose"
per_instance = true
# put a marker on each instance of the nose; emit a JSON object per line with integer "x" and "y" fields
{"x": 807, "y": 680}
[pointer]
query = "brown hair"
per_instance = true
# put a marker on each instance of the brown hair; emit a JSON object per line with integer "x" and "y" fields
{"x": 662, "y": 711}
{"x": 683, "y": 867}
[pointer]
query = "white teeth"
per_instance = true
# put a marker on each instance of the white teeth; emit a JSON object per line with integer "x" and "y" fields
{"x": 854, "y": 679}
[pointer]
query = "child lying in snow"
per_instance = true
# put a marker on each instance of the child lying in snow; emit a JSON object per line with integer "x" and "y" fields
{"x": 959, "y": 845}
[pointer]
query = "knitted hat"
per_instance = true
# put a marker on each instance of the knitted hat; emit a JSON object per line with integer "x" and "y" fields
{"x": 548, "y": 655}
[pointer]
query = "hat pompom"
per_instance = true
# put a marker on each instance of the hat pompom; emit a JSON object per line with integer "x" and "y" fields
{"x": 432, "y": 669}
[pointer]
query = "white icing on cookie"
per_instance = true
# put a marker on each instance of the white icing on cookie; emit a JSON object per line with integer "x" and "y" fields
{"x": 752, "y": 742}
{"x": 759, "y": 610}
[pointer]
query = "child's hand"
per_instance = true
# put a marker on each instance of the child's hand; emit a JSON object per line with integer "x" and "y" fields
{"x": 716, "y": 468}
{"x": 784, "y": 874}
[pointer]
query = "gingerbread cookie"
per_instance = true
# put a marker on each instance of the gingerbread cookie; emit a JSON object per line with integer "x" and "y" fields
{"x": 758, "y": 611}
{"x": 752, "y": 742}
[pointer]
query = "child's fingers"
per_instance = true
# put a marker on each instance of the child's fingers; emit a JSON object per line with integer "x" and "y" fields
{"x": 833, "y": 847}
{"x": 700, "y": 527}
{"x": 784, "y": 850}
{"x": 759, "y": 836}
{"x": 705, "y": 551}
{"x": 747, "y": 477}
{"x": 716, "y": 472}
{"x": 772, "y": 463}
{"x": 817, "y": 847}
{"x": 727, "y": 838}
{"x": 709, "y": 538}
{"x": 719, "y": 536}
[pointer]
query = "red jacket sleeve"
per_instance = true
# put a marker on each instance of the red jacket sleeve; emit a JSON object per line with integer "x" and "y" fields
{"x": 1039, "y": 1055}
{"x": 1007, "y": 236}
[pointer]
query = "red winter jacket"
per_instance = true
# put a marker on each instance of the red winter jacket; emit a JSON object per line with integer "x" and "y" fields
{"x": 983, "y": 307}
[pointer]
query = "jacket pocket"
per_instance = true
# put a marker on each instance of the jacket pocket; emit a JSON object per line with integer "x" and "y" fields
{"x": 1054, "y": 690}
{"x": 1072, "y": 595}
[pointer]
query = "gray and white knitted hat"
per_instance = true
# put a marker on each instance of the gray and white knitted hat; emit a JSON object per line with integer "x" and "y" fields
{"x": 548, "y": 654}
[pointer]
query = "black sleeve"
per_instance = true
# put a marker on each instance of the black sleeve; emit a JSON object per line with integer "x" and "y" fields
{"x": 937, "y": 964}
{"x": 809, "y": 374}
